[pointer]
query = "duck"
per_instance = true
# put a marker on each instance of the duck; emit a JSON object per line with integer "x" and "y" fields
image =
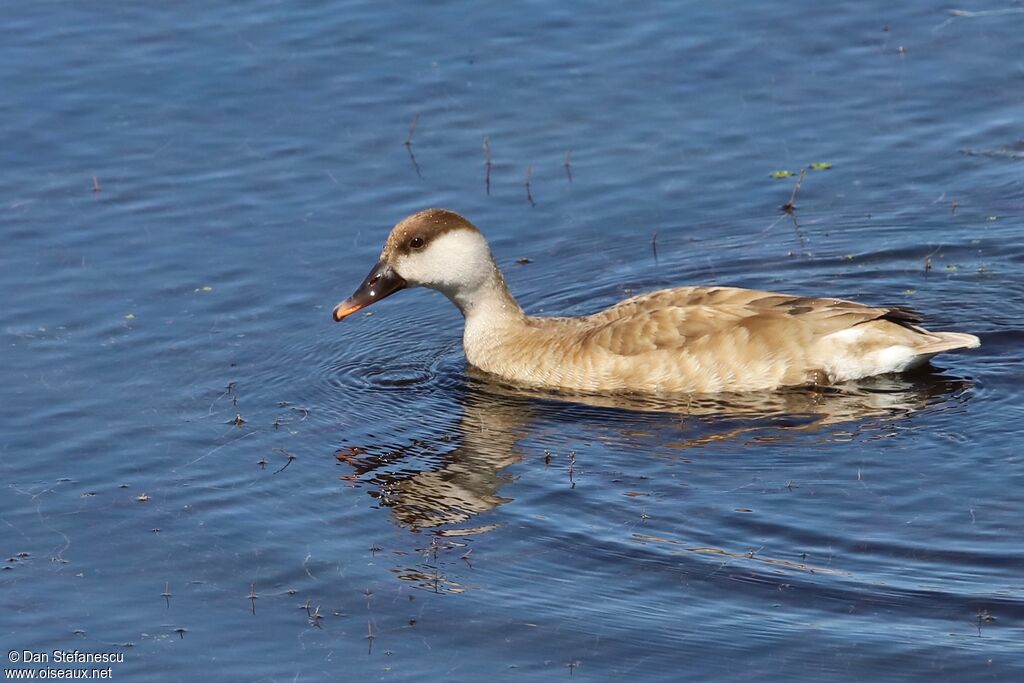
{"x": 683, "y": 340}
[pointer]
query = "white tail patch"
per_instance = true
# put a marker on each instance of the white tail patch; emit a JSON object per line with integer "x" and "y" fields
{"x": 897, "y": 359}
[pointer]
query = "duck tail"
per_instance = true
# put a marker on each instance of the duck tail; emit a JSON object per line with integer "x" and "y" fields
{"x": 937, "y": 342}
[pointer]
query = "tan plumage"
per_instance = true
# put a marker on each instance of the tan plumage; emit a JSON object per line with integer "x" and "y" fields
{"x": 689, "y": 339}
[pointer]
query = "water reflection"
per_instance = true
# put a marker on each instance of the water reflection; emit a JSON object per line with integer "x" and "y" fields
{"x": 428, "y": 484}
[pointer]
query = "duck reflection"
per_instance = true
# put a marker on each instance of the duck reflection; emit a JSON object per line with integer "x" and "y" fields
{"x": 449, "y": 480}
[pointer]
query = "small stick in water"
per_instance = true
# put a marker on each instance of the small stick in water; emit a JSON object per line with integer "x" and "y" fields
{"x": 529, "y": 193}
{"x": 290, "y": 457}
{"x": 568, "y": 165}
{"x": 487, "y": 164}
{"x": 790, "y": 206}
{"x": 253, "y": 597}
{"x": 654, "y": 246}
{"x": 408, "y": 144}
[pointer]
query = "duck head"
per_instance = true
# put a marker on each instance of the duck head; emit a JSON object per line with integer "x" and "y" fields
{"x": 435, "y": 248}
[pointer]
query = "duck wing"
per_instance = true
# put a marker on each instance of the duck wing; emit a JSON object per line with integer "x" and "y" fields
{"x": 763, "y": 322}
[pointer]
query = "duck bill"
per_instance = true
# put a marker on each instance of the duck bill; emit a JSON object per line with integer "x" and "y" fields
{"x": 381, "y": 282}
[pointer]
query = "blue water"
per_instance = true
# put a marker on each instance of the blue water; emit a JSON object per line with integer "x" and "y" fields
{"x": 188, "y": 189}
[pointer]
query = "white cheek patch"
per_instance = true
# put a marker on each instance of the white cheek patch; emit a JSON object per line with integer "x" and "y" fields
{"x": 456, "y": 260}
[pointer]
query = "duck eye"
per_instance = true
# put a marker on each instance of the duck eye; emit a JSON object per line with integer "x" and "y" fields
{"x": 416, "y": 243}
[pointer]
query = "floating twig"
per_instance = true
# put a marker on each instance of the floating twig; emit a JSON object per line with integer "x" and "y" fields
{"x": 408, "y": 144}
{"x": 568, "y": 165}
{"x": 529, "y": 193}
{"x": 967, "y": 14}
{"x": 253, "y": 597}
{"x": 290, "y": 458}
{"x": 790, "y": 206}
{"x": 487, "y": 165}
{"x": 654, "y": 246}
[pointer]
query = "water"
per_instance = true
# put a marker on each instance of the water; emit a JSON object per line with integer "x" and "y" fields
{"x": 249, "y": 162}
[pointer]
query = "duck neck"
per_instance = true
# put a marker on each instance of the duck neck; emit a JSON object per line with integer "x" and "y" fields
{"x": 489, "y": 305}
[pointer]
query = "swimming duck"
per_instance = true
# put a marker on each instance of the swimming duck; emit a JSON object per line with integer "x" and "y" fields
{"x": 682, "y": 340}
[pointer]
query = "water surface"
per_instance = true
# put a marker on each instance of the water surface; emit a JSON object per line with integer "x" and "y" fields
{"x": 188, "y": 190}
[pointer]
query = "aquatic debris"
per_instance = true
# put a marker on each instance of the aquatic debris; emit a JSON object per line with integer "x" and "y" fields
{"x": 522, "y": 260}
{"x": 1012, "y": 151}
{"x": 142, "y": 498}
{"x": 529, "y": 193}
{"x": 95, "y": 184}
{"x": 290, "y": 457}
{"x": 790, "y": 206}
{"x": 748, "y": 555}
{"x": 204, "y": 288}
{"x": 984, "y": 617}
{"x": 568, "y": 165}
{"x": 129, "y": 316}
{"x": 471, "y": 531}
{"x": 408, "y": 144}
{"x": 253, "y": 597}
{"x": 487, "y": 165}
